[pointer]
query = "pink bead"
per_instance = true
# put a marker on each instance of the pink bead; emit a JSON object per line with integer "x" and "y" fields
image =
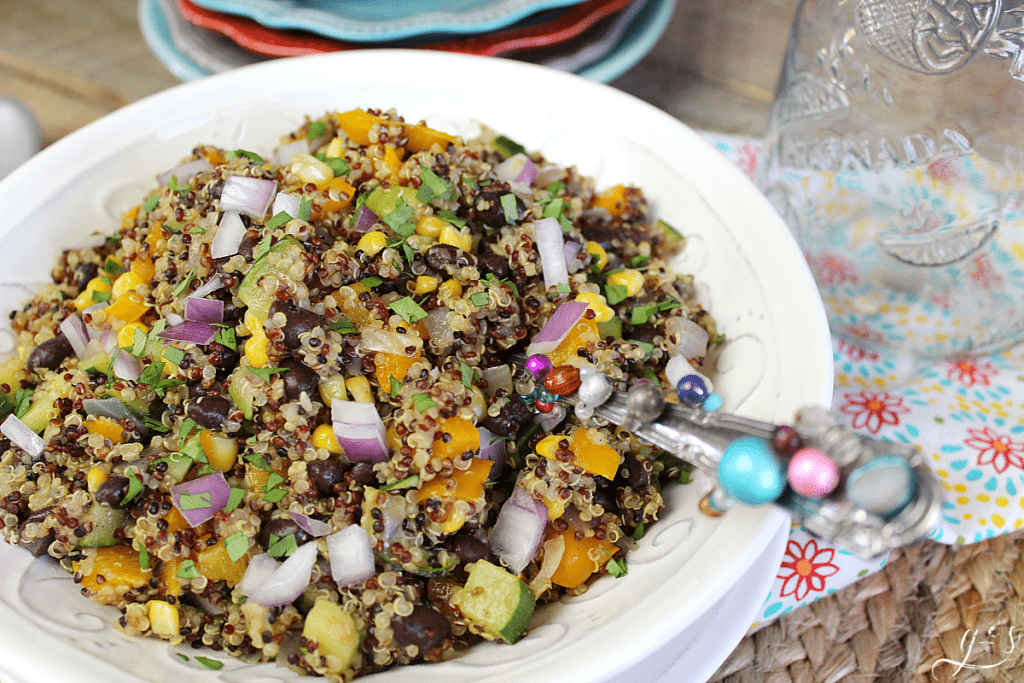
{"x": 812, "y": 473}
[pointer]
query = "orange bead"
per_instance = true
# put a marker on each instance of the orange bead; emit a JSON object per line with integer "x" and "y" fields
{"x": 562, "y": 380}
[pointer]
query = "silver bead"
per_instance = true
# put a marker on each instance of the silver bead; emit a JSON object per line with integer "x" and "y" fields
{"x": 595, "y": 389}
{"x": 583, "y": 411}
{"x": 644, "y": 402}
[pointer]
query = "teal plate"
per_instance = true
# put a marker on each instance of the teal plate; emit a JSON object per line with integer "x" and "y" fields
{"x": 637, "y": 40}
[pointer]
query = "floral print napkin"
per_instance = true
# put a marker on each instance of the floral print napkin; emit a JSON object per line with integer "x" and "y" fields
{"x": 966, "y": 416}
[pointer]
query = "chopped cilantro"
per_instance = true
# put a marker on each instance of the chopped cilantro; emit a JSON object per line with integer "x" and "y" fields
{"x": 150, "y": 203}
{"x": 180, "y": 656}
{"x": 275, "y": 495}
{"x": 181, "y": 286}
{"x": 261, "y": 249}
{"x": 396, "y": 386}
{"x": 554, "y": 207}
{"x": 194, "y": 501}
{"x": 638, "y": 261}
{"x": 273, "y": 479}
{"x": 278, "y": 219}
{"x": 563, "y": 288}
{"x": 410, "y": 311}
{"x": 616, "y": 568}
{"x": 668, "y": 305}
{"x": 641, "y": 314}
{"x": 225, "y": 336}
{"x": 99, "y": 296}
{"x": 507, "y": 146}
{"x": 615, "y": 293}
{"x": 236, "y": 545}
{"x": 22, "y": 401}
{"x": 134, "y": 487}
{"x": 556, "y": 187}
{"x": 174, "y": 187}
{"x": 265, "y": 373}
{"x": 143, "y": 558}
{"x": 648, "y": 372}
{"x": 343, "y": 326}
{"x": 639, "y": 532}
{"x": 111, "y": 267}
{"x": 433, "y": 187}
{"x": 211, "y": 664}
{"x": 407, "y": 250}
{"x": 671, "y": 233}
{"x": 423, "y": 402}
{"x": 172, "y": 354}
{"x": 187, "y": 425}
{"x": 399, "y": 219}
{"x": 510, "y": 207}
{"x": 719, "y": 338}
{"x": 193, "y": 449}
{"x": 256, "y": 460}
{"x": 469, "y": 373}
{"x": 235, "y": 499}
{"x": 315, "y": 129}
{"x": 305, "y": 205}
{"x": 372, "y": 281}
{"x": 139, "y": 341}
{"x": 187, "y": 570}
{"x": 283, "y": 547}
{"x": 450, "y": 216}
{"x": 338, "y": 166}
{"x": 406, "y": 483}
{"x": 252, "y": 156}
{"x": 195, "y": 229}
{"x": 480, "y": 298}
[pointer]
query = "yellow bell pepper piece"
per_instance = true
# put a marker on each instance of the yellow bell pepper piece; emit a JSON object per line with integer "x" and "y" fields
{"x": 323, "y": 437}
{"x": 128, "y": 308}
{"x": 581, "y": 559}
{"x": 458, "y": 436}
{"x": 467, "y": 484}
{"x": 613, "y": 199}
{"x": 119, "y": 567}
{"x": 106, "y": 428}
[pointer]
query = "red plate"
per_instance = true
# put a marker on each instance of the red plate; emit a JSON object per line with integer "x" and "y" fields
{"x": 271, "y": 42}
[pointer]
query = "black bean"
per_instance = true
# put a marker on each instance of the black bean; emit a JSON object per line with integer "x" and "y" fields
{"x": 494, "y": 213}
{"x": 298, "y": 321}
{"x": 299, "y": 378}
{"x": 470, "y": 548}
{"x": 495, "y": 264}
{"x": 510, "y": 419}
{"x": 281, "y": 527}
{"x": 606, "y": 499}
{"x": 325, "y": 474}
{"x": 248, "y": 243}
{"x": 112, "y": 491}
{"x": 645, "y": 333}
{"x": 208, "y": 411}
{"x": 39, "y": 546}
{"x": 440, "y": 256}
{"x": 50, "y": 354}
{"x": 83, "y": 273}
{"x": 426, "y": 628}
{"x": 637, "y": 476}
{"x": 363, "y": 474}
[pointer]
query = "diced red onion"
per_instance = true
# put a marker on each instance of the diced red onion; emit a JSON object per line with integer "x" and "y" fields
{"x": 21, "y": 436}
{"x": 126, "y": 366}
{"x": 554, "y": 549}
{"x": 439, "y": 328}
{"x": 313, "y": 527}
{"x": 519, "y": 529}
{"x": 251, "y": 196}
{"x": 570, "y": 249}
{"x": 492, "y": 448}
{"x": 92, "y": 350}
{"x": 261, "y": 568}
{"x": 351, "y": 555}
{"x": 359, "y": 430}
{"x": 76, "y": 332}
{"x": 549, "y": 174}
{"x": 229, "y": 235}
{"x": 190, "y": 331}
{"x": 518, "y": 168}
{"x": 204, "y": 310}
{"x": 173, "y": 318}
{"x": 685, "y": 338}
{"x": 114, "y": 408}
{"x": 548, "y": 234}
{"x": 289, "y": 203}
{"x": 287, "y": 582}
{"x": 284, "y": 153}
{"x": 497, "y": 377}
{"x": 364, "y": 219}
{"x": 209, "y": 287}
{"x": 98, "y": 306}
{"x": 376, "y": 339}
{"x": 678, "y": 367}
{"x": 105, "y": 340}
{"x": 184, "y": 172}
{"x": 213, "y": 484}
{"x": 557, "y": 327}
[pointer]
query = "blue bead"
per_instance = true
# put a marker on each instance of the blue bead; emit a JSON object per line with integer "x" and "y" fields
{"x": 882, "y": 486}
{"x": 750, "y": 472}
{"x": 712, "y": 403}
{"x": 530, "y": 398}
{"x": 545, "y": 396}
{"x": 691, "y": 390}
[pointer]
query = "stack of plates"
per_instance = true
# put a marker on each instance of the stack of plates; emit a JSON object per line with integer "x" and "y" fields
{"x": 598, "y": 39}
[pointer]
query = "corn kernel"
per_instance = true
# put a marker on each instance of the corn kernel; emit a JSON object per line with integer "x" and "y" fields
{"x": 323, "y": 437}
{"x": 163, "y": 618}
{"x": 359, "y": 387}
{"x": 430, "y": 226}
{"x": 335, "y": 148}
{"x": 128, "y": 308}
{"x": 451, "y": 235}
{"x": 95, "y": 478}
{"x": 85, "y": 299}
{"x": 425, "y": 284}
{"x": 597, "y": 303}
{"x": 632, "y": 280}
{"x": 256, "y": 350}
{"x": 126, "y": 337}
{"x": 372, "y": 242}
{"x": 144, "y": 268}
{"x": 126, "y": 282}
{"x": 309, "y": 169}
{"x": 333, "y": 387}
{"x": 450, "y": 289}
{"x": 600, "y": 255}
{"x": 221, "y": 451}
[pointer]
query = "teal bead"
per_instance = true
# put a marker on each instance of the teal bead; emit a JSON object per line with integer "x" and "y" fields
{"x": 712, "y": 403}
{"x": 750, "y": 472}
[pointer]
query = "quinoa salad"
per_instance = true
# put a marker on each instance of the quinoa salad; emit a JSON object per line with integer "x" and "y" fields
{"x": 303, "y": 405}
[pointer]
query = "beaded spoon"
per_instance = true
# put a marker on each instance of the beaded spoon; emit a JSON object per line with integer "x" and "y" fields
{"x": 861, "y": 494}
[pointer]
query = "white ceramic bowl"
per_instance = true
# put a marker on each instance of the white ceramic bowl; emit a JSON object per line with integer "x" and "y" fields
{"x": 749, "y": 271}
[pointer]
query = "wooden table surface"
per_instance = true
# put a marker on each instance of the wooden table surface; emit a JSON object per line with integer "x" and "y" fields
{"x": 72, "y": 62}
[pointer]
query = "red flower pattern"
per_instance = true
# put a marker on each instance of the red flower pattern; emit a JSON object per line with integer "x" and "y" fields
{"x": 833, "y": 270}
{"x": 804, "y": 569}
{"x": 856, "y": 353}
{"x": 996, "y": 449}
{"x": 984, "y": 274}
{"x": 971, "y": 372}
{"x": 943, "y": 170}
{"x": 746, "y": 158}
{"x": 871, "y": 410}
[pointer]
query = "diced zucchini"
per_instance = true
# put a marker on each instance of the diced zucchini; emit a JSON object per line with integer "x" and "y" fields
{"x": 41, "y": 409}
{"x": 250, "y": 292}
{"x": 105, "y": 521}
{"x": 240, "y": 390}
{"x": 335, "y": 632}
{"x": 178, "y": 466}
{"x": 12, "y": 371}
{"x": 497, "y": 601}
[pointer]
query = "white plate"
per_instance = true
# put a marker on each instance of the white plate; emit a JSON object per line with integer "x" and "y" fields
{"x": 747, "y": 267}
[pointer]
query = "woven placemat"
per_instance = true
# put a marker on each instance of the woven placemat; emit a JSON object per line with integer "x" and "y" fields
{"x": 934, "y": 613}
